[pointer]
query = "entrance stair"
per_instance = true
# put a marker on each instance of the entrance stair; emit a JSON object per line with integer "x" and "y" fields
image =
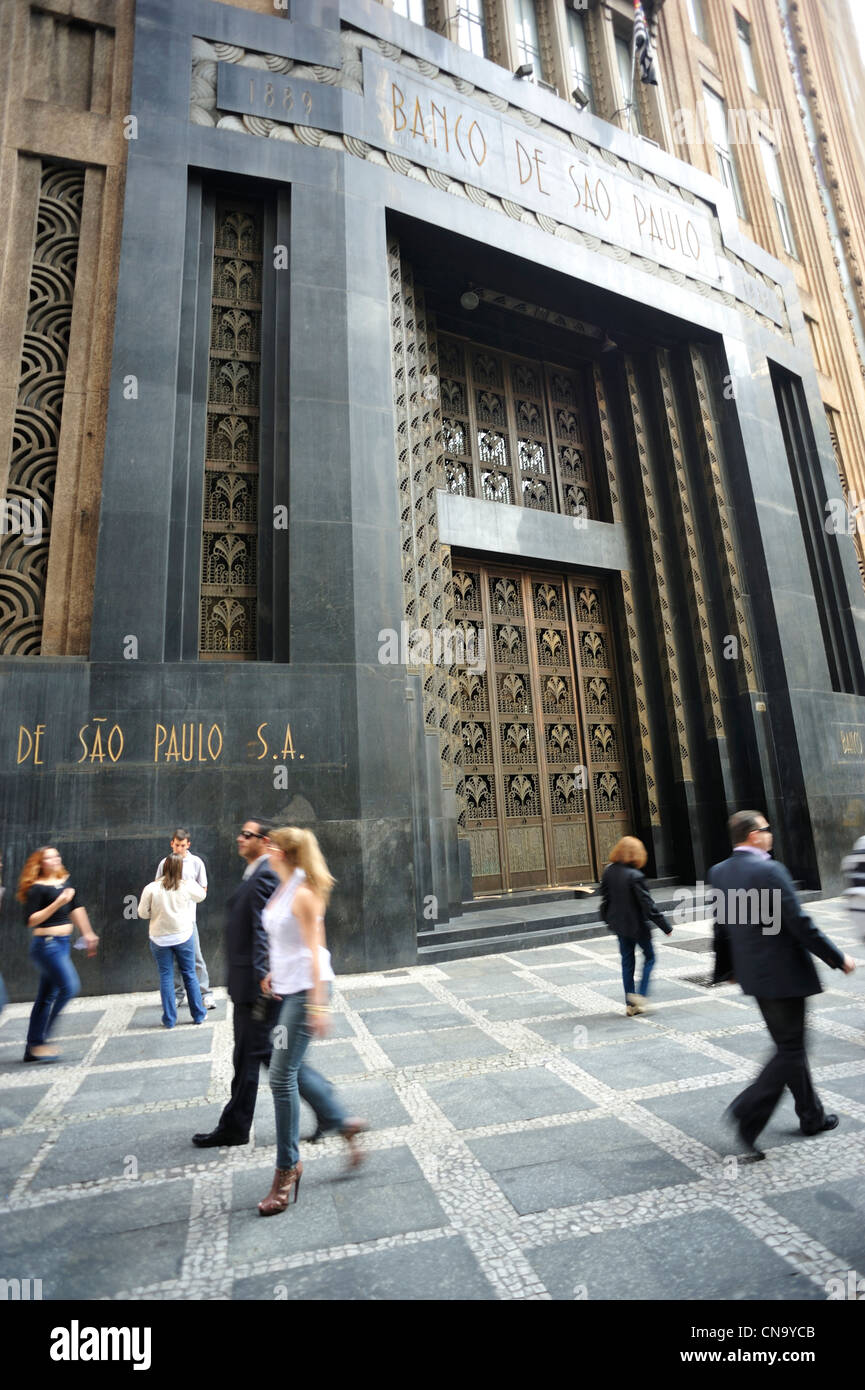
{"x": 543, "y": 917}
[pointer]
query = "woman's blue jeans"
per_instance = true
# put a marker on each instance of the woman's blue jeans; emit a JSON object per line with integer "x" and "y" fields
{"x": 165, "y": 957}
{"x": 58, "y": 983}
{"x": 291, "y": 1078}
{"x": 626, "y": 950}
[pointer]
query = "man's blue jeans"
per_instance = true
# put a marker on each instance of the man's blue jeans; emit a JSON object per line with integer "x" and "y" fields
{"x": 626, "y": 950}
{"x": 200, "y": 971}
{"x": 291, "y": 1078}
{"x": 58, "y": 984}
{"x": 165, "y": 957}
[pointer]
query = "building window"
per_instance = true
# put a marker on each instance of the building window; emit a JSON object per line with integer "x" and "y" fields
{"x": 472, "y": 27}
{"x": 743, "y": 33}
{"x": 698, "y": 19}
{"x": 411, "y": 9}
{"x": 528, "y": 39}
{"x": 229, "y": 552}
{"x": 628, "y": 105}
{"x": 776, "y": 188}
{"x": 821, "y": 543}
{"x": 817, "y": 345}
{"x": 513, "y": 430}
{"x": 717, "y": 113}
{"x": 578, "y": 57}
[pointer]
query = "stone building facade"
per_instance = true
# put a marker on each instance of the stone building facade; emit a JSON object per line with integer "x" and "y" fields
{"x": 431, "y": 455}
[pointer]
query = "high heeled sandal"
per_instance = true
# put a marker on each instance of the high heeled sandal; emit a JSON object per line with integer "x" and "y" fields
{"x": 277, "y": 1199}
{"x": 349, "y": 1132}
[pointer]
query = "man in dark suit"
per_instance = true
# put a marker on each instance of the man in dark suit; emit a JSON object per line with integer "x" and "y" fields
{"x": 247, "y": 954}
{"x": 760, "y": 923}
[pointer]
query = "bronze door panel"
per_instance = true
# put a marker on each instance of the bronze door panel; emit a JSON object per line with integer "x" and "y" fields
{"x": 544, "y": 772}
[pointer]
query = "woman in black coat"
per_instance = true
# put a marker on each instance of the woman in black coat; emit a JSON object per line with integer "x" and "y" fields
{"x": 628, "y": 910}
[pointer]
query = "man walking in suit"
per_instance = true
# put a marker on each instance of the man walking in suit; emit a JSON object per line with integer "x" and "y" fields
{"x": 760, "y": 922}
{"x": 247, "y": 955}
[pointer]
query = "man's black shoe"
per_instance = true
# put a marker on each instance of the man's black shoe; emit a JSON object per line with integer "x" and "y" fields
{"x": 829, "y": 1122}
{"x": 217, "y": 1139}
{"x": 315, "y": 1136}
{"x": 754, "y": 1154}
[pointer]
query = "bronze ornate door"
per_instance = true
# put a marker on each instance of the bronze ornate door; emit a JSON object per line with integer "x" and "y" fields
{"x": 545, "y": 787}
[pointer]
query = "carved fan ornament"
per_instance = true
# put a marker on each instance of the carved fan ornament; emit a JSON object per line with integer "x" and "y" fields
{"x": 477, "y": 790}
{"x": 514, "y": 687}
{"x": 235, "y": 376}
{"x": 521, "y": 787}
{"x": 556, "y": 689}
{"x": 567, "y": 426}
{"x": 561, "y": 736}
{"x": 470, "y": 684}
{"x": 536, "y": 494}
{"x": 603, "y": 735}
{"x": 529, "y": 417}
{"x": 474, "y": 735}
{"x": 517, "y": 737}
{"x": 509, "y": 637}
{"x": 464, "y": 583}
{"x": 505, "y": 594}
{"x": 608, "y": 785}
{"x": 547, "y": 597}
{"x": 525, "y": 379}
{"x": 588, "y": 600}
{"x": 36, "y": 427}
{"x": 566, "y": 786}
{"x": 491, "y": 408}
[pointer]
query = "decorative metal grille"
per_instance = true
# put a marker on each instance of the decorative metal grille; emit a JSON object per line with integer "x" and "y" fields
{"x": 607, "y": 777}
{"x": 512, "y": 430}
{"x": 545, "y": 780}
{"x": 428, "y": 594}
{"x": 229, "y": 560}
{"x": 36, "y": 430}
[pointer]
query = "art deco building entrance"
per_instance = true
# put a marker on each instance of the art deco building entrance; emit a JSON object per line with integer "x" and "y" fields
{"x": 545, "y": 782}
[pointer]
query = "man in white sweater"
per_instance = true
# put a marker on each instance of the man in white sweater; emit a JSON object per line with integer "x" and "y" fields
{"x": 193, "y": 868}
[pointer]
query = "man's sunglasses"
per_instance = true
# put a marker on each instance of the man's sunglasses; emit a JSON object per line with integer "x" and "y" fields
{"x": 252, "y": 835}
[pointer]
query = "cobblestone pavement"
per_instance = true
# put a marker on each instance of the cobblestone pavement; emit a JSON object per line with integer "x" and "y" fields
{"x": 529, "y": 1142}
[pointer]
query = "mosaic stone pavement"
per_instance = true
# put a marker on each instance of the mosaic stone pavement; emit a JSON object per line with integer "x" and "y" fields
{"x": 529, "y": 1142}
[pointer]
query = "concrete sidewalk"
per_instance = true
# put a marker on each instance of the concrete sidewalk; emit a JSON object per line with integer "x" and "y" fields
{"x": 529, "y": 1141}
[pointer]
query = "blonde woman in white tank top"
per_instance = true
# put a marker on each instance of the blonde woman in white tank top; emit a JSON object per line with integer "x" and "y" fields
{"x": 300, "y": 977}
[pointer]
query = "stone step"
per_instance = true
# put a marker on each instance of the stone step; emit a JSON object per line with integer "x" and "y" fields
{"x": 530, "y": 896}
{"x": 513, "y": 928}
{"x": 517, "y": 927}
{"x": 495, "y": 945}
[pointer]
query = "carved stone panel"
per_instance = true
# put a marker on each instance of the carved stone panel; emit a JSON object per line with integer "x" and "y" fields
{"x": 36, "y": 433}
{"x": 229, "y": 560}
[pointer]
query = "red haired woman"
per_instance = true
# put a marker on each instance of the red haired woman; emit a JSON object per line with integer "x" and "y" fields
{"x": 628, "y": 910}
{"x": 51, "y": 910}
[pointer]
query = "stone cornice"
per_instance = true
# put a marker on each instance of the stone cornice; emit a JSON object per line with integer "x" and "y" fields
{"x": 349, "y": 77}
